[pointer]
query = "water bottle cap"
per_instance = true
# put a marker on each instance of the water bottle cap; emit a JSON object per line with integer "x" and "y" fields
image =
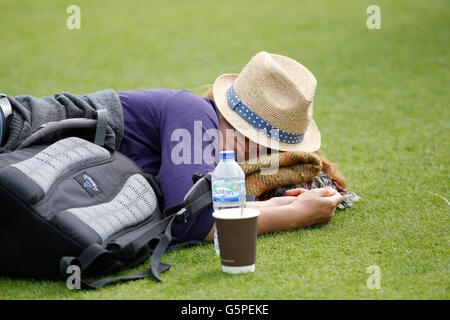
{"x": 227, "y": 155}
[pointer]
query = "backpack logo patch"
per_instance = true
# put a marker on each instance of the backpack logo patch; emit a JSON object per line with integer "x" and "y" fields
{"x": 88, "y": 184}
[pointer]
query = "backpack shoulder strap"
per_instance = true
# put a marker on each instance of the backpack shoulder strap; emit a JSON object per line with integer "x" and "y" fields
{"x": 104, "y": 134}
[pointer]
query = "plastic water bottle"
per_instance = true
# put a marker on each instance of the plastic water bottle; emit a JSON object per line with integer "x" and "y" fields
{"x": 228, "y": 186}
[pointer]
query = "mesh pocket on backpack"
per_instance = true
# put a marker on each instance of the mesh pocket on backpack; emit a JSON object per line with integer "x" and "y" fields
{"x": 59, "y": 158}
{"x": 133, "y": 204}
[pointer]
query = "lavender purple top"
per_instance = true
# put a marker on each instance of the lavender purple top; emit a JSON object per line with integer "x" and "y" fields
{"x": 150, "y": 118}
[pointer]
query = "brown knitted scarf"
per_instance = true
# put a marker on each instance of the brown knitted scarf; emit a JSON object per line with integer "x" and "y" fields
{"x": 262, "y": 173}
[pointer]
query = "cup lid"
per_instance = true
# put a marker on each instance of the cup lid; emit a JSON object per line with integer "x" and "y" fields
{"x": 235, "y": 214}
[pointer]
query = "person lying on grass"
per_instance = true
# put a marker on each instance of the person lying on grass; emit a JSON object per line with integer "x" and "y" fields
{"x": 173, "y": 133}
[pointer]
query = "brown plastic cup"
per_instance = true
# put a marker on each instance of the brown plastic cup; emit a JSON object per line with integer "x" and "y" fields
{"x": 237, "y": 236}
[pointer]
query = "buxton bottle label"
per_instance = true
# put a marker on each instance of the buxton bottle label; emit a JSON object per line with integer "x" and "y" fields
{"x": 228, "y": 191}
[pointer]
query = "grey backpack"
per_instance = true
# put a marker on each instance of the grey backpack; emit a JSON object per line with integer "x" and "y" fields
{"x": 77, "y": 203}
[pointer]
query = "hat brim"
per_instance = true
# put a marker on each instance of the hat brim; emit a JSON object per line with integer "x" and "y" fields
{"x": 311, "y": 140}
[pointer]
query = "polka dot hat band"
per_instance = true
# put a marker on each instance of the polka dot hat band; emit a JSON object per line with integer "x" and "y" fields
{"x": 259, "y": 123}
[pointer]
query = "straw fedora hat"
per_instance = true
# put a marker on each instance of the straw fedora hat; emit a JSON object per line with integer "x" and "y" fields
{"x": 271, "y": 103}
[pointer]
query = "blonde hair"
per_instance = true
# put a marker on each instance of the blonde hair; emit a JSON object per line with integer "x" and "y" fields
{"x": 208, "y": 91}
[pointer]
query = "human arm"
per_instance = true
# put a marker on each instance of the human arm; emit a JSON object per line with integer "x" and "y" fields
{"x": 277, "y": 201}
{"x": 308, "y": 208}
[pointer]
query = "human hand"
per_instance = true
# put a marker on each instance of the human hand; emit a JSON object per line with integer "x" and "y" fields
{"x": 290, "y": 196}
{"x": 315, "y": 206}
{"x": 295, "y": 192}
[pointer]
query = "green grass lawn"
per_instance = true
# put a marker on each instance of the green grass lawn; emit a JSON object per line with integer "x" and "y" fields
{"x": 382, "y": 105}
